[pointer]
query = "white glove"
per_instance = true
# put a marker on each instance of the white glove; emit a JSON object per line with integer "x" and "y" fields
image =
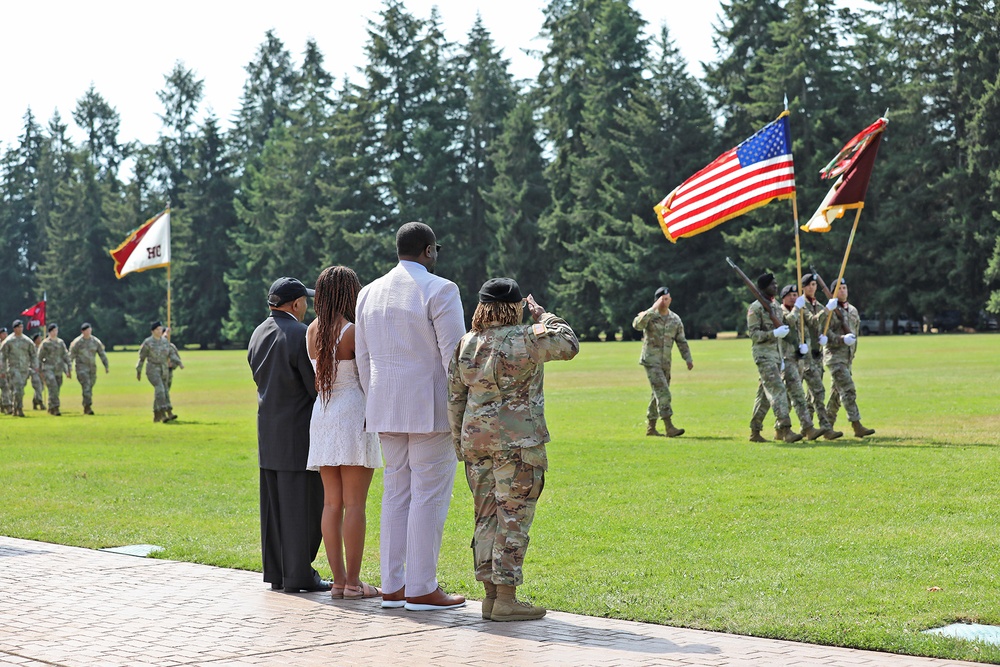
{"x": 800, "y": 302}
{"x": 803, "y": 349}
{"x": 781, "y": 331}
{"x": 850, "y": 339}
{"x": 831, "y": 304}
{"x": 823, "y": 339}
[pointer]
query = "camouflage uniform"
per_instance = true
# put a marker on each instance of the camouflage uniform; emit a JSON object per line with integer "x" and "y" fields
{"x": 173, "y": 361}
{"x": 6, "y": 401}
{"x": 789, "y": 376}
{"x": 659, "y": 333}
{"x": 767, "y": 356}
{"x": 53, "y": 358}
{"x": 155, "y": 353}
{"x": 811, "y": 366}
{"x": 83, "y": 353}
{"x": 18, "y": 356}
{"x": 839, "y": 358}
{"x": 496, "y": 412}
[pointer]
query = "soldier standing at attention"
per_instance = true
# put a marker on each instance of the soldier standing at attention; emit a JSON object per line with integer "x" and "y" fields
{"x": 18, "y": 356}
{"x": 661, "y": 328}
{"x": 6, "y": 402}
{"x": 496, "y": 414}
{"x": 768, "y": 357}
{"x": 83, "y": 351}
{"x": 155, "y": 353}
{"x": 811, "y": 366}
{"x": 839, "y": 357}
{"x": 38, "y": 399}
{"x": 53, "y": 359}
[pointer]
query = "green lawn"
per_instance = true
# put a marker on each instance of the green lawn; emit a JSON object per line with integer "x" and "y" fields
{"x": 828, "y": 542}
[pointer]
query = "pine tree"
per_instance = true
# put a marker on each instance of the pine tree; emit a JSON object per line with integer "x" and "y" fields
{"x": 180, "y": 97}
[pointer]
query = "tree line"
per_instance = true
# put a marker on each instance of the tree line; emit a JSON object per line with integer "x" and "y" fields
{"x": 551, "y": 181}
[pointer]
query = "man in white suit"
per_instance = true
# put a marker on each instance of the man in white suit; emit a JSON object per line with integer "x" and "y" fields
{"x": 409, "y": 322}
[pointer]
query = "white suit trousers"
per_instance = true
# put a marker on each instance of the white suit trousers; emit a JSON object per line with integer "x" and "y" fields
{"x": 418, "y": 479}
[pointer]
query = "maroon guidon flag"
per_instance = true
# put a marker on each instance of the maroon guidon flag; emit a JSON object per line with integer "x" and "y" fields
{"x": 35, "y": 315}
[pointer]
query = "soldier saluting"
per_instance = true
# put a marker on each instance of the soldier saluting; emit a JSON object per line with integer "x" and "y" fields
{"x": 661, "y": 328}
{"x": 83, "y": 351}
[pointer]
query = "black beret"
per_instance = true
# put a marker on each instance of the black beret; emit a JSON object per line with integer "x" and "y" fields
{"x": 17, "y": 323}
{"x": 286, "y": 289}
{"x": 660, "y": 291}
{"x": 808, "y": 278}
{"x": 788, "y": 288}
{"x": 36, "y": 335}
{"x": 843, "y": 281}
{"x": 84, "y": 326}
{"x": 765, "y": 279}
{"x": 154, "y": 325}
{"x": 505, "y": 290}
{"x": 3, "y": 330}
{"x": 52, "y": 325}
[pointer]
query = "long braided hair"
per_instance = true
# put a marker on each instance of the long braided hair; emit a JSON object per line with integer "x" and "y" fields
{"x": 336, "y": 297}
{"x": 496, "y": 314}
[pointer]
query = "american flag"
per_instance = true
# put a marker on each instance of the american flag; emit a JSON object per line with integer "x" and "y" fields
{"x": 751, "y": 175}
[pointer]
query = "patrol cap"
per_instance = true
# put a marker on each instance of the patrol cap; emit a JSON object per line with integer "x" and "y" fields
{"x": 660, "y": 291}
{"x": 808, "y": 278}
{"x": 84, "y": 326}
{"x": 286, "y": 289}
{"x": 765, "y": 279}
{"x": 154, "y": 325}
{"x": 52, "y": 325}
{"x": 505, "y": 290}
{"x": 788, "y": 289}
{"x": 17, "y": 323}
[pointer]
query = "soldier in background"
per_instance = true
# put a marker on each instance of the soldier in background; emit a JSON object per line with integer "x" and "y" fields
{"x": 83, "y": 352}
{"x": 18, "y": 356}
{"x": 767, "y": 355}
{"x": 173, "y": 361}
{"x": 38, "y": 398}
{"x": 155, "y": 353}
{"x": 54, "y": 362}
{"x": 661, "y": 328}
{"x": 6, "y": 402}
{"x": 839, "y": 357}
{"x": 496, "y": 414}
{"x": 811, "y": 366}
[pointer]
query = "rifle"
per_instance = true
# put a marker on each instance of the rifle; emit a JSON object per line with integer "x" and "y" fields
{"x": 764, "y": 301}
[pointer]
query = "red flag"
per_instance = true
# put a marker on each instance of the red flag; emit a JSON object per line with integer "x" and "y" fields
{"x": 751, "y": 175}
{"x": 35, "y": 315}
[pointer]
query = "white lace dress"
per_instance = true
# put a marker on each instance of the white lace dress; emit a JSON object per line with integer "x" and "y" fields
{"x": 336, "y": 430}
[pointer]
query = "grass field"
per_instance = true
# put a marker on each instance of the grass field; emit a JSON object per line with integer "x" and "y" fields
{"x": 843, "y": 543}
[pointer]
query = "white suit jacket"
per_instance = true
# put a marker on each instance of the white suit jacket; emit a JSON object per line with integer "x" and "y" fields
{"x": 409, "y": 323}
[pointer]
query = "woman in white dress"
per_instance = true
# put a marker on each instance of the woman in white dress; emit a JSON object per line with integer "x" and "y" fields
{"x": 339, "y": 448}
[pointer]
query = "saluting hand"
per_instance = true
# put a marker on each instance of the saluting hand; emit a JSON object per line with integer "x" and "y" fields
{"x": 533, "y": 308}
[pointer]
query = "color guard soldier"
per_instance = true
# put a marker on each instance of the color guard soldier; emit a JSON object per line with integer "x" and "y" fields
{"x": 83, "y": 351}
{"x": 155, "y": 353}
{"x": 811, "y": 366}
{"x": 839, "y": 358}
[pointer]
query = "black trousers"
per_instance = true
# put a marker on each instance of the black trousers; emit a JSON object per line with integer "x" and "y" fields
{"x": 291, "y": 505}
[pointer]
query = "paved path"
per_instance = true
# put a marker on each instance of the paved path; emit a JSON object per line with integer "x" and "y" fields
{"x": 68, "y": 606}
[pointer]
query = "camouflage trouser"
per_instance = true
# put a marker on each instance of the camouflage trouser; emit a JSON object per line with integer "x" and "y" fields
{"x": 87, "y": 377}
{"x": 37, "y": 387}
{"x": 157, "y": 375}
{"x": 53, "y": 381}
{"x": 793, "y": 389}
{"x": 505, "y": 487}
{"x": 17, "y": 379}
{"x": 659, "y": 402}
{"x": 6, "y": 401}
{"x": 169, "y": 381}
{"x": 812, "y": 373}
{"x": 771, "y": 393}
{"x": 842, "y": 391}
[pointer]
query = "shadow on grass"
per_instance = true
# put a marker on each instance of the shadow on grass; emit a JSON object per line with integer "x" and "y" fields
{"x": 882, "y": 441}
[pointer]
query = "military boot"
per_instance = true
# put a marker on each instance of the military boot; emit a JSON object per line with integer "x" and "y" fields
{"x": 811, "y": 432}
{"x": 672, "y": 431}
{"x": 786, "y": 434}
{"x": 491, "y": 596}
{"x": 19, "y": 412}
{"x": 860, "y": 431}
{"x": 87, "y": 410}
{"x": 168, "y": 415}
{"x": 508, "y": 608}
{"x": 37, "y": 404}
{"x": 157, "y": 416}
{"x": 831, "y": 434}
{"x": 651, "y": 428}
{"x": 755, "y": 436}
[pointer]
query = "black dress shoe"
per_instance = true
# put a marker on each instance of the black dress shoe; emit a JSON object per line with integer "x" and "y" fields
{"x": 276, "y": 587}
{"x": 317, "y": 586}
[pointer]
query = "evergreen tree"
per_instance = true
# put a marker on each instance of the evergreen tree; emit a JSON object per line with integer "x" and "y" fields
{"x": 180, "y": 97}
{"x": 267, "y": 95}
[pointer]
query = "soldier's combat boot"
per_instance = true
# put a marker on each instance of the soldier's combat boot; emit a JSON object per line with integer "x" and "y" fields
{"x": 651, "y": 428}
{"x": 508, "y": 608}
{"x": 672, "y": 431}
{"x": 786, "y": 434}
{"x": 831, "y": 434}
{"x": 755, "y": 436}
{"x": 860, "y": 431}
{"x": 18, "y": 411}
{"x": 157, "y": 415}
{"x": 37, "y": 404}
{"x": 811, "y": 432}
{"x": 168, "y": 415}
{"x": 87, "y": 410}
{"x": 491, "y": 596}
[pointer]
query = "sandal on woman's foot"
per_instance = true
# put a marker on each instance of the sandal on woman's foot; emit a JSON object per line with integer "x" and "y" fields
{"x": 337, "y": 591}
{"x": 360, "y": 591}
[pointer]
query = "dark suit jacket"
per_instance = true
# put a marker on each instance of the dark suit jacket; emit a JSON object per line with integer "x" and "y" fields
{"x": 286, "y": 390}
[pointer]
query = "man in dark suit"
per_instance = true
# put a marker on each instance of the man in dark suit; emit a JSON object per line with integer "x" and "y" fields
{"x": 291, "y": 497}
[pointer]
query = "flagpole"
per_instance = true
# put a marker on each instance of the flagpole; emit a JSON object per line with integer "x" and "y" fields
{"x": 798, "y": 265}
{"x": 843, "y": 266}
{"x": 168, "y": 302}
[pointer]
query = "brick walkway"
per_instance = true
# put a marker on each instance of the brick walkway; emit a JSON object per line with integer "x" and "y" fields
{"x": 69, "y": 606}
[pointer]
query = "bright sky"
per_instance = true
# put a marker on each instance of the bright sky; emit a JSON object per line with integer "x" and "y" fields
{"x": 52, "y": 51}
